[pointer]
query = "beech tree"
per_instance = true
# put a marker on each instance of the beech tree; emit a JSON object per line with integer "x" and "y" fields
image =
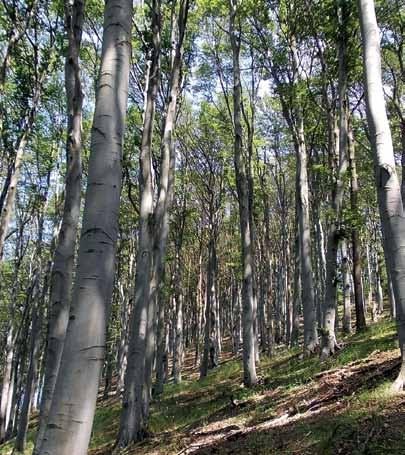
{"x": 63, "y": 262}
{"x": 230, "y": 205}
{"x": 388, "y": 185}
{"x": 69, "y": 423}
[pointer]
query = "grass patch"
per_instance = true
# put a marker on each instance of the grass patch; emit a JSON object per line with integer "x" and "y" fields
{"x": 359, "y": 426}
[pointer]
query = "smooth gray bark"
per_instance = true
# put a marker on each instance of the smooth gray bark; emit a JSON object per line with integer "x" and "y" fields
{"x": 138, "y": 381}
{"x": 63, "y": 261}
{"x": 329, "y": 342}
{"x": 347, "y": 322}
{"x": 7, "y": 388}
{"x": 74, "y": 400}
{"x": 210, "y": 352}
{"x": 21, "y": 437}
{"x": 311, "y": 341}
{"x": 249, "y": 367}
{"x": 388, "y": 185}
{"x": 356, "y": 245}
{"x": 131, "y": 426}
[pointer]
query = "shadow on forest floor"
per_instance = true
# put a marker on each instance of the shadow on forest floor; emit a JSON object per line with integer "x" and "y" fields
{"x": 300, "y": 406}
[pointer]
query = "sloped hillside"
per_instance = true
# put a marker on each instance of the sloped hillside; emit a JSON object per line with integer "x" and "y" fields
{"x": 301, "y": 406}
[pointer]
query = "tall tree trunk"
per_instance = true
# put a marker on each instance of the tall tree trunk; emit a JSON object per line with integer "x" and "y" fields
{"x": 210, "y": 352}
{"x": 354, "y": 189}
{"x": 131, "y": 427}
{"x": 311, "y": 341}
{"x": 10, "y": 348}
{"x": 178, "y": 321}
{"x": 134, "y": 416}
{"x": 63, "y": 261}
{"x": 347, "y": 321}
{"x": 249, "y": 367}
{"x": 32, "y": 374}
{"x": 74, "y": 400}
{"x": 329, "y": 342}
{"x": 388, "y": 185}
{"x": 161, "y": 348}
{"x": 296, "y": 293}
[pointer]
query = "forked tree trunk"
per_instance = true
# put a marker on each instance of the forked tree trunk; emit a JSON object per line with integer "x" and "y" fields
{"x": 63, "y": 261}
{"x": 388, "y": 185}
{"x": 135, "y": 413}
{"x": 74, "y": 400}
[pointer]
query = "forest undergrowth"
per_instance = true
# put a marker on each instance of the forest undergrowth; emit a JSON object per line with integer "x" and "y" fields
{"x": 343, "y": 405}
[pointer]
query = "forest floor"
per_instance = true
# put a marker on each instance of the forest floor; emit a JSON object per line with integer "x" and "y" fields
{"x": 300, "y": 406}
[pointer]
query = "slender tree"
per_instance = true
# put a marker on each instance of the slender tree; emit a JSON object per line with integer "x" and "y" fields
{"x": 249, "y": 357}
{"x": 63, "y": 261}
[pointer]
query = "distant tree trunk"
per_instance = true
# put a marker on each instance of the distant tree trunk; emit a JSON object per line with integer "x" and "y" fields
{"x": 178, "y": 324}
{"x": 347, "y": 320}
{"x": 311, "y": 341}
{"x": 249, "y": 367}
{"x": 161, "y": 348}
{"x": 388, "y": 185}
{"x": 69, "y": 423}
{"x": 329, "y": 342}
{"x": 210, "y": 351}
{"x": 7, "y": 388}
{"x": 179, "y": 294}
{"x": 11, "y": 189}
{"x": 236, "y": 332}
{"x": 199, "y": 300}
{"x": 267, "y": 271}
{"x": 19, "y": 360}
{"x": 296, "y": 293}
{"x": 354, "y": 189}
{"x": 391, "y": 297}
{"x": 108, "y": 367}
{"x": 20, "y": 441}
{"x": 123, "y": 341}
{"x": 320, "y": 241}
{"x": 379, "y": 299}
{"x": 369, "y": 280}
{"x": 63, "y": 261}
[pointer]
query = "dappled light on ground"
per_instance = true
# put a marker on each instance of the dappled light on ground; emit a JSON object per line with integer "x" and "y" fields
{"x": 300, "y": 406}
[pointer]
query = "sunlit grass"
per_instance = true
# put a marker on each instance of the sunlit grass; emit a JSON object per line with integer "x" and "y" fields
{"x": 194, "y": 404}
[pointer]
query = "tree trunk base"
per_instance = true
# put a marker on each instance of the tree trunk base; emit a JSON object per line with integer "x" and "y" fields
{"x": 329, "y": 347}
{"x": 312, "y": 349}
{"x": 399, "y": 383}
